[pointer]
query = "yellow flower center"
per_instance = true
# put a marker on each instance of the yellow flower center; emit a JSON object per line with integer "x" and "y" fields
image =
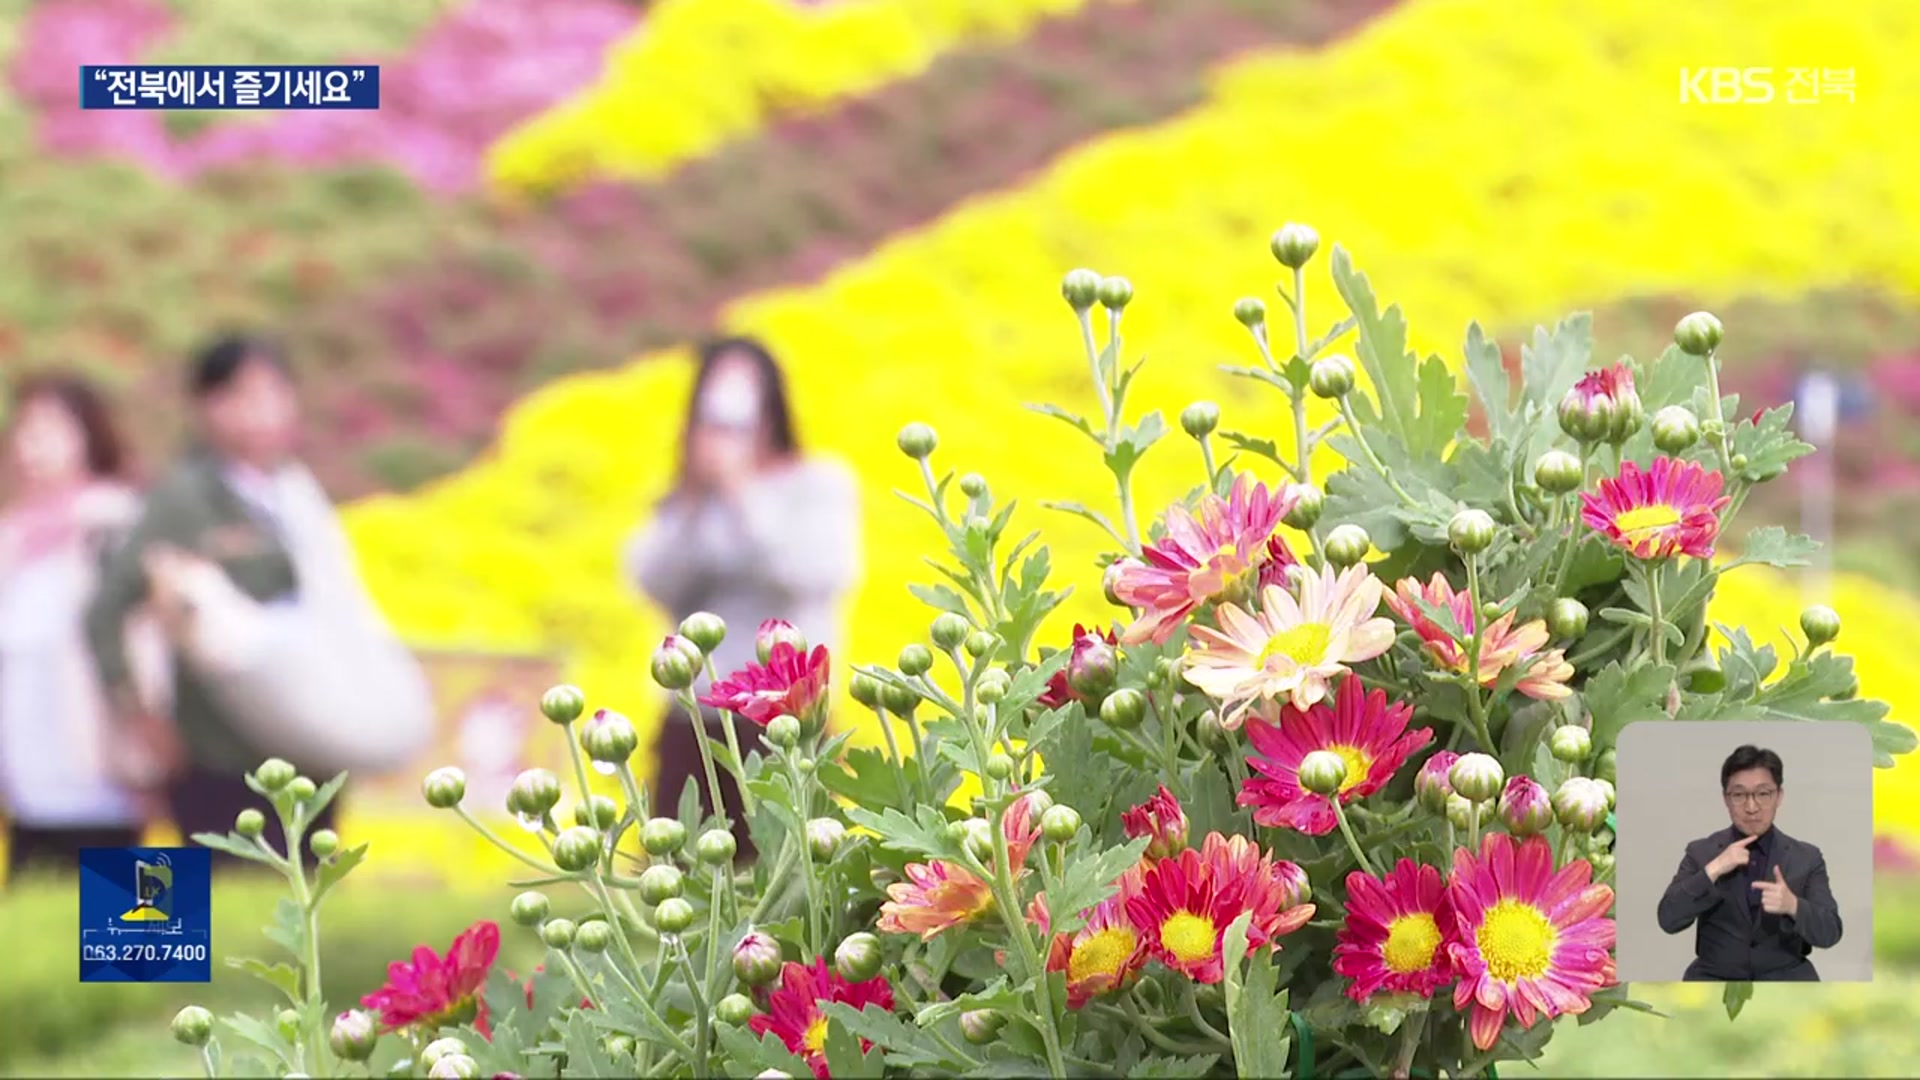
{"x": 1642, "y": 520}
{"x": 1359, "y": 763}
{"x": 1516, "y": 940}
{"x": 1411, "y": 943}
{"x": 1304, "y": 644}
{"x": 815, "y": 1040}
{"x": 1104, "y": 952}
{"x": 1189, "y": 937}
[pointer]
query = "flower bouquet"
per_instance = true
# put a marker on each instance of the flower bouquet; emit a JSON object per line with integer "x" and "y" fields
{"x": 1330, "y": 795}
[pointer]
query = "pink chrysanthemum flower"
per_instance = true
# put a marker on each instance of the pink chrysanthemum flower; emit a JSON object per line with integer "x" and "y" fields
{"x": 1503, "y": 646}
{"x": 1105, "y": 953}
{"x": 1363, "y": 728}
{"x": 1529, "y": 941}
{"x": 1162, "y": 818}
{"x": 433, "y": 991}
{"x": 1207, "y": 554}
{"x": 940, "y": 895}
{"x": 1186, "y": 903}
{"x": 790, "y": 682}
{"x": 1671, "y": 509}
{"x": 1291, "y": 649}
{"x": 794, "y": 1014}
{"x": 1397, "y": 931}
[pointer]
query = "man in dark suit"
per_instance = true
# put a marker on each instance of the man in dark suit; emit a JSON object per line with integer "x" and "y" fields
{"x": 219, "y": 503}
{"x": 1757, "y": 897}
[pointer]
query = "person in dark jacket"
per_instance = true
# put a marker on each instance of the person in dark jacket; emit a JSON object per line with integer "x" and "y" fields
{"x": 221, "y": 502}
{"x": 1758, "y": 899}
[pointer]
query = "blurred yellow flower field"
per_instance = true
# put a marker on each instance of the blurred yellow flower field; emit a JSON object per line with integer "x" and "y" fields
{"x": 698, "y": 73}
{"x": 1556, "y": 172}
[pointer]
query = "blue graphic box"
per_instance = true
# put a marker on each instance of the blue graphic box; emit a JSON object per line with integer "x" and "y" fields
{"x": 146, "y": 915}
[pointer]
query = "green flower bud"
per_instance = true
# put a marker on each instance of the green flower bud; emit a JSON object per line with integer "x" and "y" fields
{"x": 1080, "y": 288}
{"x": 1603, "y": 767}
{"x": 618, "y": 1047}
{"x": 660, "y": 882}
{"x": 735, "y": 1009}
{"x": 1675, "y": 429}
{"x": 1698, "y": 334}
{"x": 1200, "y": 418}
{"x": 353, "y": 1035}
{"x": 1124, "y": 708}
{"x": 1323, "y": 772}
{"x": 1308, "y": 503}
{"x": 899, "y": 700}
{"x": 609, "y": 738}
{"x": 1038, "y": 801}
{"x": 705, "y": 629}
{"x": 716, "y": 847}
{"x": 1294, "y": 244}
{"x": 577, "y": 849}
{"x": 1602, "y": 863}
{"x": 288, "y": 1023}
{"x": 1460, "y": 812}
{"x": 1250, "y": 311}
{"x": 1110, "y": 580}
{"x": 950, "y": 630}
{"x": 1566, "y": 617}
{"x": 662, "y": 836}
{"x": 825, "y": 837}
{"x": 993, "y": 687}
{"x": 1607, "y": 786}
{"x": 563, "y": 704}
{"x": 1580, "y": 804}
{"x": 1477, "y": 777}
{"x": 1213, "y": 733}
{"x": 530, "y": 908}
{"x": 675, "y": 664}
{"x": 1739, "y": 462}
{"x": 973, "y": 486}
{"x": 865, "y": 689}
{"x": 250, "y": 823}
{"x": 981, "y": 1026}
{"x": 858, "y": 958}
{"x": 1332, "y": 377}
{"x": 999, "y": 766}
{"x": 1060, "y": 824}
{"x": 917, "y": 441}
{"x": 1821, "y": 624}
{"x": 1558, "y": 472}
{"x": 594, "y": 937}
{"x": 1571, "y": 743}
{"x": 981, "y": 644}
{"x": 323, "y": 842}
{"x": 977, "y": 837}
{"x": 1471, "y": 531}
{"x": 444, "y": 788}
{"x": 274, "y": 774}
{"x": 915, "y": 660}
{"x": 534, "y": 792}
{"x": 1601, "y": 840}
{"x": 1347, "y": 545}
{"x": 1586, "y": 419}
{"x": 783, "y": 731}
{"x": 597, "y": 812}
{"x": 442, "y": 1048}
{"x": 804, "y": 766}
{"x": 302, "y": 789}
{"x": 557, "y": 933}
{"x": 1115, "y": 293}
{"x": 757, "y": 959}
{"x": 1525, "y": 809}
{"x": 193, "y": 1025}
{"x": 673, "y": 916}
{"x": 454, "y": 1067}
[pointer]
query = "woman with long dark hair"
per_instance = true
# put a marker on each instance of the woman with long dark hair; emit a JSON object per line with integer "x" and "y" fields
{"x": 752, "y": 530}
{"x": 68, "y": 779}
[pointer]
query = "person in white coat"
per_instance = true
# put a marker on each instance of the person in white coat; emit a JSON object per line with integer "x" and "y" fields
{"x": 68, "y": 779}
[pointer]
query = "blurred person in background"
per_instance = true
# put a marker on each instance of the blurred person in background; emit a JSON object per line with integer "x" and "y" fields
{"x": 67, "y": 779}
{"x": 239, "y": 500}
{"x": 752, "y": 530}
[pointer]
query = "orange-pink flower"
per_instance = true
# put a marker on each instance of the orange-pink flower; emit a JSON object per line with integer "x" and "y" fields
{"x": 1670, "y": 509}
{"x": 941, "y": 895}
{"x": 1105, "y": 953}
{"x": 1363, "y": 728}
{"x": 1397, "y": 933}
{"x": 1186, "y": 903}
{"x": 1224, "y": 547}
{"x": 1503, "y": 646}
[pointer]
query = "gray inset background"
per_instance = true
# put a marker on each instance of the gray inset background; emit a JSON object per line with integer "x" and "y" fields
{"x": 1668, "y": 795}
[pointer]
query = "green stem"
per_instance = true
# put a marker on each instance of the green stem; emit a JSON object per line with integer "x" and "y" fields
{"x": 1658, "y": 631}
{"x": 1473, "y": 828}
{"x": 1302, "y": 447}
{"x": 294, "y": 827}
{"x": 697, "y": 714}
{"x": 814, "y": 904}
{"x": 782, "y": 866}
{"x": 1129, "y": 1014}
{"x": 1199, "y": 1018}
{"x": 206, "y": 1061}
{"x": 893, "y": 756}
{"x": 1722, "y": 441}
{"x": 545, "y": 868}
{"x": 1206, "y": 458}
{"x": 1373, "y": 459}
{"x": 733, "y": 747}
{"x": 1099, "y": 376}
{"x": 1353, "y": 842}
{"x": 1573, "y": 537}
{"x": 933, "y": 488}
{"x": 1410, "y": 1039}
{"x": 702, "y": 1018}
{"x": 1476, "y": 706}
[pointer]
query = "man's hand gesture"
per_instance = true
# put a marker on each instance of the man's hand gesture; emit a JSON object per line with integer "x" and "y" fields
{"x": 1776, "y": 898}
{"x": 1731, "y": 858}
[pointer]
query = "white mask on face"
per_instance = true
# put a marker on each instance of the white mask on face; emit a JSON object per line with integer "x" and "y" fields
{"x": 731, "y": 401}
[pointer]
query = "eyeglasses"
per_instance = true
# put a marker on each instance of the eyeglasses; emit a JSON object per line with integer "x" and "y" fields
{"x": 1763, "y": 797}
